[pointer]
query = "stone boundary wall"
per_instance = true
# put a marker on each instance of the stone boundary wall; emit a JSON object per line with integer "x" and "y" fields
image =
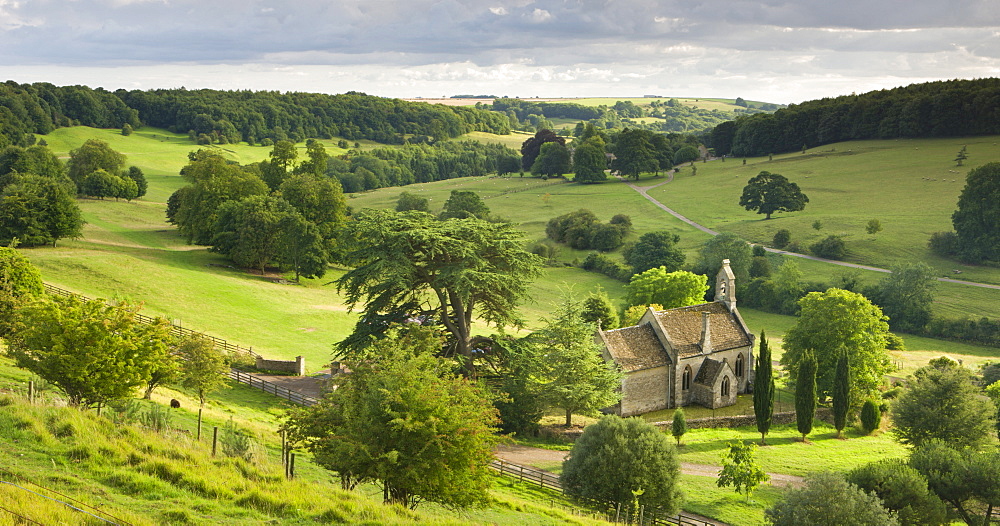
{"x": 787, "y": 417}
{"x": 296, "y": 366}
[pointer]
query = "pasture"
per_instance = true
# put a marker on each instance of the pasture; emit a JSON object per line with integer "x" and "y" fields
{"x": 129, "y": 251}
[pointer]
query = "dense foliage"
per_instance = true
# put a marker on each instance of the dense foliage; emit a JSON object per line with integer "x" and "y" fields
{"x": 935, "y": 109}
{"x": 828, "y": 500}
{"x": 768, "y": 193}
{"x": 19, "y": 282}
{"x": 763, "y": 389}
{"x": 838, "y": 321}
{"x": 420, "y": 163}
{"x": 404, "y": 421}
{"x": 977, "y": 220}
{"x": 626, "y": 462}
{"x": 231, "y": 116}
{"x": 95, "y": 353}
{"x": 902, "y": 490}
{"x": 582, "y": 230}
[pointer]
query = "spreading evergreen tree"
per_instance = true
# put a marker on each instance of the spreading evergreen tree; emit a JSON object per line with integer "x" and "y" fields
{"x": 763, "y": 389}
{"x": 841, "y": 393}
{"x": 805, "y": 393}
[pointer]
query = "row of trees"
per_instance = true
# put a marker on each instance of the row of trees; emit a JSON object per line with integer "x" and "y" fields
{"x": 29, "y": 109}
{"x": 632, "y": 151}
{"x": 400, "y": 166}
{"x": 935, "y": 109}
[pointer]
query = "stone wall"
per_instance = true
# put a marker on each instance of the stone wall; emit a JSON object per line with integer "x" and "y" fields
{"x": 296, "y": 367}
{"x": 645, "y": 391}
{"x": 787, "y": 417}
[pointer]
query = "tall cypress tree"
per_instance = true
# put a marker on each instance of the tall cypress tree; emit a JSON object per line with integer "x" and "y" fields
{"x": 763, "y": 389}
{"x": 841, "y": 392}
{"x": 805, "y": 393}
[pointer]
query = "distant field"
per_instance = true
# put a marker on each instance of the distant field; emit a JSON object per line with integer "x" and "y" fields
{"x": 129, "y": 251}
{"x": 911, "y": 186}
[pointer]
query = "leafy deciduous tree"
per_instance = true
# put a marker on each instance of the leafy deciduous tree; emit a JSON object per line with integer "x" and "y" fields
{"x": 626, "y": 461}
{"x": 739, "y": 469}
{"x": 404, "y": 422}
{"x": 95, "y": 353}
{"x": 654, "y": 249}
{"x": 828, "y": 500}
{"x": 834, "y": 320}
{"x": 204, "y": 367}
{"x": 942, "y": 403}
{"x": 903, "y": 490}
{"x": 767, "y": 193}
{"x": 669, "y": 289}
{"x": 977, "y": 219}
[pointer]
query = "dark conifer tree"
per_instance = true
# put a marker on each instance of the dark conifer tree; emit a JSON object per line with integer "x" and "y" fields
{"x": 841, "y": 393}
{"x": 805, "y": 393}
{"x": 763, "y": 389}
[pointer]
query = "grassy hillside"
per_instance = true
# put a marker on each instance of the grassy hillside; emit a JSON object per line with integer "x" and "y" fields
{"x": 144, "y": 477}
{"x": 911, "y": 186}
{"x": 129, "y": 251}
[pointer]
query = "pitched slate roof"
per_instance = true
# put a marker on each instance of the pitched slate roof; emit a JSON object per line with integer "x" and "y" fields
{"x": 635, "y": 348}
{"x": 709, "y": 372}
{"x": 683, "y": 328}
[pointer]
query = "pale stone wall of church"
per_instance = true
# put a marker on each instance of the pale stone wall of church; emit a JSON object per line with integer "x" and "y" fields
{"x": 730, "y": 356}
{"x": 644, "y": 391}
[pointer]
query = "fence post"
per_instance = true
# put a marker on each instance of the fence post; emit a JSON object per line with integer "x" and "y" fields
{"x": 199, "y": 423}
{"x": 215, "y": 439}
{"x": 31, "y": 391}
{"x": 282, "y": 447}
{"x": 291, "y": 466}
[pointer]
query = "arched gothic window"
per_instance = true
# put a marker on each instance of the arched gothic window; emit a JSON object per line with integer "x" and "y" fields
{"x": 725, "y": 386}
{"x": 686, "y": 378}
{"x": 739, "y": 366}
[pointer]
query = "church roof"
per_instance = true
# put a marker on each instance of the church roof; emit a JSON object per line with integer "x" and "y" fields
{"x": 683, "y": 328}
{"x": 709, "y": 372}
{"x": 635, "y": 348}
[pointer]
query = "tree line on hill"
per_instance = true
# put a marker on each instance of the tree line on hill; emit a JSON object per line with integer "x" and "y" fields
{"x": 233, "y": 116}
{"x": 629, "y": 152}
{"x": 528, "y": 115}
{"x": 935, "y": 109}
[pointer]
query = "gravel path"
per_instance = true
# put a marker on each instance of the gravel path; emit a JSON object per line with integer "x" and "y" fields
{"x": 531, "y": 456}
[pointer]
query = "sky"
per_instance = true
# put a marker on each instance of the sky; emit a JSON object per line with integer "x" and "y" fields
{"x": 773, "y": 51}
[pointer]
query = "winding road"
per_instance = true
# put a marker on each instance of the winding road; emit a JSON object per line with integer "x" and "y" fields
{"x": 644, "y": 191}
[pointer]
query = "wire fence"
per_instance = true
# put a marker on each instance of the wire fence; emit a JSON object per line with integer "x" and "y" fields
{"x": 602, "y": 510}
{"x": 22, "y": 484}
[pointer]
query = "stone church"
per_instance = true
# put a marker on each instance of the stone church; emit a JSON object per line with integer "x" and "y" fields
{"x": 700, "y": 354}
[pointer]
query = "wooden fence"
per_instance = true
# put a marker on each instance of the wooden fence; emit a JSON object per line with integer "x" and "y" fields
{"x": 272, "y": 388}
{"x": 175, "y": 330}
{"x": 602, "y": 510}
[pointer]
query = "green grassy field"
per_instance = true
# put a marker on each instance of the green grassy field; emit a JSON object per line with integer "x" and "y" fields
{"x": 911, "y": 186}
{"x": 129, "y": 251}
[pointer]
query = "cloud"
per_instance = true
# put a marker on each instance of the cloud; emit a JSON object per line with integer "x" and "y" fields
{"x": 644, "y": 44}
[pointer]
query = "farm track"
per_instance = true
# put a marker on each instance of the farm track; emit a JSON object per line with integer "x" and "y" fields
{"x": 530, "y": 456}
{"x": 644, "y": 191}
